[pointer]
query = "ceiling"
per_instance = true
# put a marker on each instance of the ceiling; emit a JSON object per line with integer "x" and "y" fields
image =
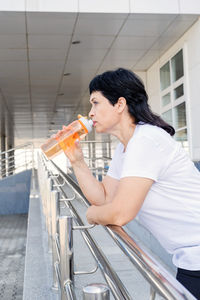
{"x": 45, "y": 72}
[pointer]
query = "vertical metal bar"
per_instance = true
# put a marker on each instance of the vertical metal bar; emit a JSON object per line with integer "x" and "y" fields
{"x": 89, "y": 153}
{"x": 45, "y": 196}
{"x": 152, "y": 293}
{"x": 66, "y": 253}
{"x": 54, "y": 227}
{"x": 33, "y": 171}
{"x": 48, "y": 198}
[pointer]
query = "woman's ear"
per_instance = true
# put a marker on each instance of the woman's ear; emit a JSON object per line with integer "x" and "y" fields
{"x": 121, "y": 104}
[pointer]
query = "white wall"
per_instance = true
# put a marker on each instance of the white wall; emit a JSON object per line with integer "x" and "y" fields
{"x": 190, "y": 42}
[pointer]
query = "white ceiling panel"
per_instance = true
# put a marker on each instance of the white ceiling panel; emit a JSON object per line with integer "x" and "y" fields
{"x": 89, "y": 55}
{"x": 45, "y": 109}
{"x": 43, "y": 89}
{"x": 46, "y": 54}
{"x": 77, "y": 80}
{"x": 50, "y": 41}
{"x": 119, "y": 54}
{"x": 98, "y": 26}
{"x": 50, "y": 82}
{"x": 144, "y": 27}
{"x": 46, "y": 69}
{"x": 163, "y": 43}
{"x": 50, "y": 23}
{"x": 81, "y": 65}
{"x": 133, "y": 42}
{"x": 13, "y": 69}
{"x": 13, "y": 54}
{"x": 178, "y": 27}
{"x": 13, "y": 83}
{"x": 12, "y": 23}
{"x": 17, "y": 100}
{"x": 94, "y": 41}
{"x": 13, "y": 41}
{"x": 25, "y": 107}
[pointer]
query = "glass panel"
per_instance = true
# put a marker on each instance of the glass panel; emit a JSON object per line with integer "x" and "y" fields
{"x": 167, "y": 116}
{"x": 178, "y": 92}
{"x": 181, "y": 135}
{"x": 179, "y": 115}
{"x": 166, "y": 99}
{"x": 177, "y": 66}
{"x": 164, "y": 76}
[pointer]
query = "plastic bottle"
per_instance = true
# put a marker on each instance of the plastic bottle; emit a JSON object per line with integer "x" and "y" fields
{"x": 65, "y": 138}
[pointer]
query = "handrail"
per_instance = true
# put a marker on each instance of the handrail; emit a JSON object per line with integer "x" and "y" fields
{"x": 115, "y": 284}
{"x": 98, "y": 158}
{"x": 12, "y": 156}
{"x": 160, "y": 279}
{"x": 17, "y": 147}
{"x": 95, "y": 142}
{"x": 13, "y": 160}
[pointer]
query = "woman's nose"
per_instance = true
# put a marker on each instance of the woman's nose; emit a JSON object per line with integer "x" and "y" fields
{"x": 91, "y": 114}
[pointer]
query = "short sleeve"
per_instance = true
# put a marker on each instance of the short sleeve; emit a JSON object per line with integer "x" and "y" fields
{"x": 144, "y": 158}
{"x": 115, "y": 167}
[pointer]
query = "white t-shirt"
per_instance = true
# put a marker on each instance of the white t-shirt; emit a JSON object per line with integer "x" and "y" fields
{"x": 171, "y": 210}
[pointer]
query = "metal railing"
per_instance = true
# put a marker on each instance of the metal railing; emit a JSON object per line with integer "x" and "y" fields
{"x": 60, "y": 229}
{"x": 16, "y": 160}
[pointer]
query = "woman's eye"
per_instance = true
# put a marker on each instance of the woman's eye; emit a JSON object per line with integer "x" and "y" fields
{"x": 95, "y": 102}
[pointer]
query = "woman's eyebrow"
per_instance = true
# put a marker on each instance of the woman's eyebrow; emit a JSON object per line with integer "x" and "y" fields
{"x": 91, "y": 100}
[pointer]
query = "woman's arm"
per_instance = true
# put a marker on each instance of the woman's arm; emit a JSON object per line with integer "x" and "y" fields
{"x": 126, "y": 203}
{"x": 97, "y": 193}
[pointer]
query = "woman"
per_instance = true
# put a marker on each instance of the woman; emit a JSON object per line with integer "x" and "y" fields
{"x": 150, "y": 174}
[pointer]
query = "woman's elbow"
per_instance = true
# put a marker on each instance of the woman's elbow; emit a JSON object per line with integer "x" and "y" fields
{"x": 122, "y": 219}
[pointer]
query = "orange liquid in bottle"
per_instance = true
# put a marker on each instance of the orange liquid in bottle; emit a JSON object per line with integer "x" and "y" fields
{"x": 70, "y": 140}
{"x": 53, "y": 151}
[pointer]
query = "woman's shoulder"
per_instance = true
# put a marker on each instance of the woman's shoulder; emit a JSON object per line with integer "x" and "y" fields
{"x": 152, "y": 132}
{"x": 147, "y": 134}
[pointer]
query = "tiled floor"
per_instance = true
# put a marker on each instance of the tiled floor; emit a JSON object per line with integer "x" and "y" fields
{"x": 12, "y": 256}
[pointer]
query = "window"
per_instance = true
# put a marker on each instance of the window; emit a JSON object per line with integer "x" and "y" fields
{"x": 173, "y": 108}
{"x": 165, "y": 76}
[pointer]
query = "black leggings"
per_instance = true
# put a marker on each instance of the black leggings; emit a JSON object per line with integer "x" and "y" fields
{"x": 190, "y": 280}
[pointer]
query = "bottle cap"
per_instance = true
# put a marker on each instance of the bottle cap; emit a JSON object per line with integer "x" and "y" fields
{"x": 87, "y": 123}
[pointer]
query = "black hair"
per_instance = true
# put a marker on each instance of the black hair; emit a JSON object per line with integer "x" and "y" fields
{"x": 125, "y": 83}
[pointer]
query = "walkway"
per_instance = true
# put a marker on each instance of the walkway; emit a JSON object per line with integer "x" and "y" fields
{"x": 12, "y": 253}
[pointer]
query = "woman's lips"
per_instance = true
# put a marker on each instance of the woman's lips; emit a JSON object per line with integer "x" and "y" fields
{"x": 94, "y": 123}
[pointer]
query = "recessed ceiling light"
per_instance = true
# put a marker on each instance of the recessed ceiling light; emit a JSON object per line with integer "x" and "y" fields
{"x": 76, "y": 42}
{"x": 67, "y": 74}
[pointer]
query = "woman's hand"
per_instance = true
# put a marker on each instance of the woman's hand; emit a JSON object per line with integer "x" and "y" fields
{"x": 90, "y": 215}
{"x": 75, "y": 153}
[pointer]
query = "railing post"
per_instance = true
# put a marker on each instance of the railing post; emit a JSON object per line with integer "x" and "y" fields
{"x": 48, "y": 203}
{"x": 152, "y": 293}
{"x": 54, "y": 228}
{"x": 96, "y": 291}
{"x": 66, "y": 253}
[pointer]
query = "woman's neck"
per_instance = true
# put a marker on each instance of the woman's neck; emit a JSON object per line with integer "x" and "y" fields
{"x": 124, "y": 132}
